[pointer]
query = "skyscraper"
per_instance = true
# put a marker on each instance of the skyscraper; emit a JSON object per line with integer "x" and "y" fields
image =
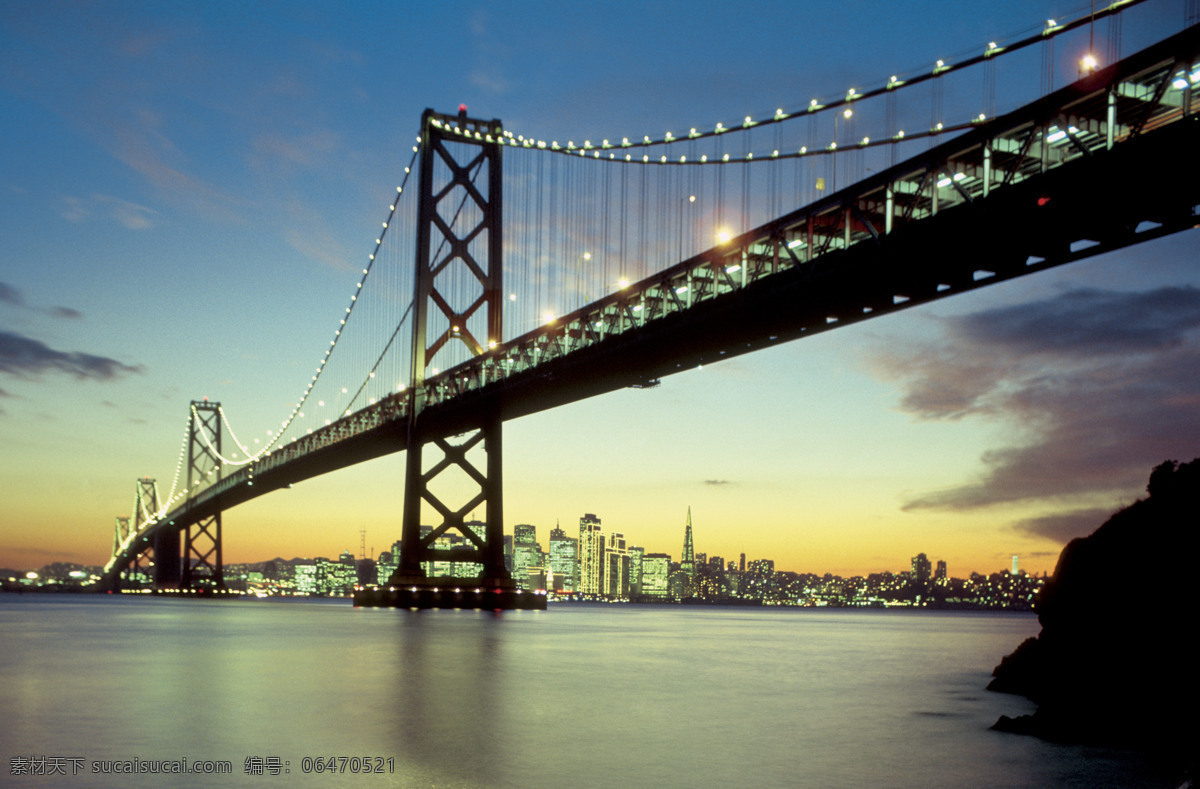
{"x": 636, "y": 554}
{"x": 616, "y": 567}
{"x": 591, "y": 555}
{"x": 564, "y": 560}
{"x": 922, "y": 568}
{"x": 687, "y": 564}
{"x": 527, "y": 554}
{"x": 656, "y": 568}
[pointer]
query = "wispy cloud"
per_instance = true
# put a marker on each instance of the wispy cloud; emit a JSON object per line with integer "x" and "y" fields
{"x": 13, "y": 297}
{"x": 129, "y": 215}
{"x": 1097, "y": 387}
{"x": 10, "y": 295}
{"x": 305, "y": 150}
{"x": 718, "y": 482}
{"x": 24, "y": 356}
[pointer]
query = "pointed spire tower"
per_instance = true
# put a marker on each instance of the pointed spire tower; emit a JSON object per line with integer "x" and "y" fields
{"x": 689, "y": 554}
{"x": 687, "y": 564}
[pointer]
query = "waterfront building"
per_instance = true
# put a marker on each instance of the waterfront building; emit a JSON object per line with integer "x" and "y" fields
{"x": 564, "y": 561}
{"x": 336, "y": 579}
{"x": 527, "y": 558}
{"x": 616, "y": 568}
{"x": 636, "y": 554}
{"x": 591, "y": 555}
{"x": 306, "y": 577}
{"x": 656, "y": 569}
{"x": 922, "y": 569}
{"x": 386, "y": 565}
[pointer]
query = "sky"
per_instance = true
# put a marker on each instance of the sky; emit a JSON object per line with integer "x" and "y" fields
{"x": 189, "y": 190}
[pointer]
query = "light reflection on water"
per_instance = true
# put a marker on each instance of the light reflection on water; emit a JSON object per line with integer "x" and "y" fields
{"x": 576, "y": 696}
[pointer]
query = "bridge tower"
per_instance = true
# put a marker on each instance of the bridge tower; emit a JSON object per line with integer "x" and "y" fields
{"x": 146, "y": 561}
{"x": 121, "y": 533}
{"x": 203, "y": 566}
{"x": 458, "y": 241}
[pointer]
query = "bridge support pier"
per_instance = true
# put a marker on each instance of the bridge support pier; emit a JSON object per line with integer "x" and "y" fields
{"x": 461, "y": 172}
{"x": 203, "y": 566}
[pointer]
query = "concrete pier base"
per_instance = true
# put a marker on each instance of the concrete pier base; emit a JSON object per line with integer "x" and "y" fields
{"x": 472, "y": 593}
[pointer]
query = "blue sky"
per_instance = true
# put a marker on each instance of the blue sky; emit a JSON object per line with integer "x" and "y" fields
{"x": 189, "y": 192}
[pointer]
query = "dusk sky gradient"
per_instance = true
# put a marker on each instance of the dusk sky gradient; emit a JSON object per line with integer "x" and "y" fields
{"x": 189, "y": 191}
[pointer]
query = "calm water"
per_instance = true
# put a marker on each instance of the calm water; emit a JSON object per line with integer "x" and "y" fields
{"x": 578, "y": 696}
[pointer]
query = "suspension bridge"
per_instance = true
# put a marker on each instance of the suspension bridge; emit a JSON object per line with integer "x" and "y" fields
{"x": 547, "y": 272}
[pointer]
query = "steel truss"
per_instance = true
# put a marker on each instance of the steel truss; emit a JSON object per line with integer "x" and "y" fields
{"x": 460, "y": 209}
{"x": 145, "y": 563}
{"x": 203, "y": 564}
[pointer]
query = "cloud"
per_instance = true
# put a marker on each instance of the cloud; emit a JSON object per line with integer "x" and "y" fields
{"x": 718, "y": 482}
{"x": 74, "y": 209}
{"x": 130, "y": 215}
{"x": 127, "y": 214}
{"x": 305, "y": 150}
{"x": 1066, "y": 526}
{"x": 1095, "y": 388}
{"x": 20, "y": 355}
{"x": 10, "y": 295}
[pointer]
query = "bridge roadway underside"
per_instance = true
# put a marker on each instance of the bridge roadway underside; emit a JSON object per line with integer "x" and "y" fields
{"x": 1103, "y": 198}
{"x": 1015, "y": 231}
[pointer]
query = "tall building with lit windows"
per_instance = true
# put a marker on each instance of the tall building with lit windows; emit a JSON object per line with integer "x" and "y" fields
{"x": 636, "y": 554}
{"x": 616, "y": 567}
{"x": 564, "y": 560}
{"x": 591, "y": 555}
{"x": 922, "y": 568}
{"x": 656, "y": 569}
{"x": 527, "y": 555}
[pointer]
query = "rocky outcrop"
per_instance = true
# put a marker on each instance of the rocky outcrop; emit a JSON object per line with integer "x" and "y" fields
{"x": 1115, "y": 662}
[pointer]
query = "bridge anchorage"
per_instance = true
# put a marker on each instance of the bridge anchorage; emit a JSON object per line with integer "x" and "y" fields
{"x": 460, "y": 178}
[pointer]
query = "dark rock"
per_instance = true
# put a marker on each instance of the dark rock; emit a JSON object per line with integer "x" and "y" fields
{"x": 1115, "y": 661}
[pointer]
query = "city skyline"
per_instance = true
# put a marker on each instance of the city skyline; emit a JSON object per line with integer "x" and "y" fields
{"x": 188, "y": 193}
{"x": 513, "y": 546}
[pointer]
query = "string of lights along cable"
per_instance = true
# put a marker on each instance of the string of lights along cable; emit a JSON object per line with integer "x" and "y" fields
{"x": 584, "y": 218}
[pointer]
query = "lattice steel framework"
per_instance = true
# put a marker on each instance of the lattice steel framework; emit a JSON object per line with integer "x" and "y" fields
{"x": 203, "y": 564}
{"x": 458, "y": 298}
{"x": 145, "y": 564}
{"x": 121, "y": 533}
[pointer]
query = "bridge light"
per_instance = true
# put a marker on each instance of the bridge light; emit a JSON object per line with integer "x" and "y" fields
{"x": 1088, "y": 64}
{"x": 723, "y": 236}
